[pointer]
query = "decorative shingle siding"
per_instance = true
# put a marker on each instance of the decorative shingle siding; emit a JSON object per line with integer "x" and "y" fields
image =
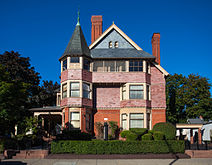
{"x": 135, "y": 103}
{"x": 113, "y": 36}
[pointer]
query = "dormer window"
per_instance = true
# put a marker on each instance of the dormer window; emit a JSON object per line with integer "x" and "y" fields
{"x": 116, "y": 44}
{"x": 74, "y": 60}
{"x": 110, "y": 44}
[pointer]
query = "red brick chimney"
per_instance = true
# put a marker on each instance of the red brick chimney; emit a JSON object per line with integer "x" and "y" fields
{"x": 156, "y": 46}
{"x": 96, "y": 29}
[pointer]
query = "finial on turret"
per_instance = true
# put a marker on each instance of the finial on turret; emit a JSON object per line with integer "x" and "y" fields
{"x": 113, "y": 22}
{"x": 78, "y": 18}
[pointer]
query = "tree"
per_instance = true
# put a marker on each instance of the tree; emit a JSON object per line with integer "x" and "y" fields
{"x": 48, "y": 93}
{"x": 187, "y": 97}
{"x": 20, "y": 70}
{"x": 12, "y": 98}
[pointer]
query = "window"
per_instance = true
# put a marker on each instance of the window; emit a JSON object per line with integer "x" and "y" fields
{"x": 86, "y": 90}
{"x": 136, "y": 120}
{"x": 64, "y": 90}
{"x": 58, "y": 99}
{"x": 74, "y": 60}
{"x": 124, "y": 92}
{"x": 74, "y": 89}
{"x": 147, "y": 92}
{"x": 86, "y": 65}
{"x": 98, "y": 66}
{"x": 110, "y": 44}
{"x": 75, "y": 119}
{"x": 120, "y": 66}
{"x": 116, "y": 44}
{"x": 135, "y": 65}
{"x": 136, "y": 92}
{"x": 124, "y": 121}
{"x": 64, "y": 64}
{"x": 109, "y": 66}
{"x": 147, "y": 67}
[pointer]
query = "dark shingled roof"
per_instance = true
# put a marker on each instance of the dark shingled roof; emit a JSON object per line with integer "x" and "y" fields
{"x": 48, "y": 108}
{"x": 195, "y": 121}
{"x": 120, "y": 53}
{"x": 77, "y": 44}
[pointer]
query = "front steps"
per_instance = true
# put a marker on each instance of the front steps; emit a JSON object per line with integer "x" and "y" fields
{"x": 31, "y": 154}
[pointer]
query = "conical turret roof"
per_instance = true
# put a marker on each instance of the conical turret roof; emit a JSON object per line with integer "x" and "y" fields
{"x": 77, "y": 44}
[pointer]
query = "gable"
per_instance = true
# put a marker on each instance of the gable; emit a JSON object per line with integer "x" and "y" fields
{"x": 106, "y": 32}
{"x": 113, "y": 36}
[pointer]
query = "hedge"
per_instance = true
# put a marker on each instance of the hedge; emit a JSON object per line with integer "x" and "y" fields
{"x": 147, "y": 136}
{"x": 167, "y": 129}
{"x": 116, "y": 147}
{"x": 131, "y": 136}
{"x": 124, "y": 133}
{"x": 158, "y": 135}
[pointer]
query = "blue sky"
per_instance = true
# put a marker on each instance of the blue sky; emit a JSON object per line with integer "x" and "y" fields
{"x": 41, "y": 29}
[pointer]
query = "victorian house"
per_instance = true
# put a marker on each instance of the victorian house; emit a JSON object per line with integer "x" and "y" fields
{"x": 113, "y": 79}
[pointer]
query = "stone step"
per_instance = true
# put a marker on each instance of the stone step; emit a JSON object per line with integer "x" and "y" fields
{"x": 30, "y": 154}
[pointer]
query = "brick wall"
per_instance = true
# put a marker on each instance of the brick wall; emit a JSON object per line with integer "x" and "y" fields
{"x": 107, "y": 97}
{"x": 158, "y": 115}
{"x": 74, "y": 101}
{"x": 119, "y": 77}
{"x": 135, "y": 103}
{"x": 76, "y": 74}
{"x": 112, "y": 115}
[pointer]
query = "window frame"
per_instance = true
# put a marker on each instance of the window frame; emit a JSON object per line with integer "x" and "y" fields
{"x": 86, "y": 64}
{"x": 64, "y": 91}
{"x": 136, "y": 119}
{"x": 123, "y": 120}
{"x": 110, "y": 45}
{"x": 116, "y": 44}
{"x": 83, "y": 90}
{"x": 64, "y": 68}
{"x": 131, "y": 90}
{"x": 74, "y": 120}
{"x": 76, "y": 61}
{"x": 135, "y": 65}
{"x": 74, "y": 89}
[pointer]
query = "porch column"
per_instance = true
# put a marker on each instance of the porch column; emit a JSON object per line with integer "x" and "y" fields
{"x": 199, "y": 136}
{"x": 42, "y": 122}
{"x": 191, "y": 136}
{"x": 83, "y": 120}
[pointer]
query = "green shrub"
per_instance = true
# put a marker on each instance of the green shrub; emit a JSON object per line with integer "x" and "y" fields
{"x": 117, "y": 147}
{"x": 147, "y": 136}
{"x": 114, "y": 129}
{"x": 167, "y": 129}
{"x": 131, "y": 136}
{"x": 151, "y": 131}
{"x": 158, "y": 135}
{"x": 1, "y": 148}
{"x": 124, "y": 133}
{"x": 73, "y": 135}
{"x": 139, "y": 131}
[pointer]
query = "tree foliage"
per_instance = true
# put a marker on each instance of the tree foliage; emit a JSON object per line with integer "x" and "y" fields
{"x": 188, "y": 97}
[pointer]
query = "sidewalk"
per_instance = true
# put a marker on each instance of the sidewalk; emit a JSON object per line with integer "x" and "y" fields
{"x": 193, "y": 161}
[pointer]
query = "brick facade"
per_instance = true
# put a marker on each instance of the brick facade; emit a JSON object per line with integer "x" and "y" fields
{"x": 106, "y": 100}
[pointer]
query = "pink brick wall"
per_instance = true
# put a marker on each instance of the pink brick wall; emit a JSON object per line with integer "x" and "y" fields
{"x": 76, "y": 74}
{"x": 119, "y": 77}
{"x": 135, "y": 103}
{"x": 108, "y": 97}
{"x": 73, "y": 101}
{"x": 158, "y": 95}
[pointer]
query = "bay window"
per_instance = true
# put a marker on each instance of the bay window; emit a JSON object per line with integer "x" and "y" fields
{"x": 74, "y": 89}
{"x": 64, "y": 65}
{"x": 136, "y": 92}
{"x": 75, "y": 120}
{"x": 86, "y": 90}
{"x": 124, "y": 121}
{"x": 136, "y": 120}
{"x": 64, "y": 90}
{"x": 74, "y": 60}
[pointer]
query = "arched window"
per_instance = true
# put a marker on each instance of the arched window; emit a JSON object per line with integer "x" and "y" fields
{"x": 110, "y": 44}
{"x": 116, "y": 44}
